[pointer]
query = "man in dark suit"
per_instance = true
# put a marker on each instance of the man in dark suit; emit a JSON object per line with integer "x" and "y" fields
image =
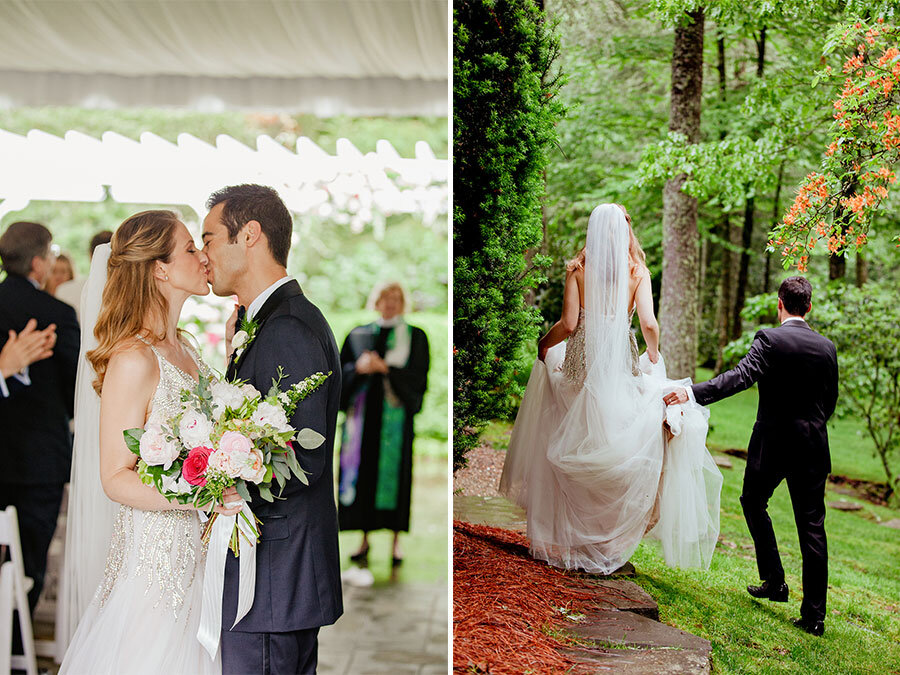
{"x": 35, "y": 445}
{"x": 247, "y": 235}
{"x": 797, "y": 372}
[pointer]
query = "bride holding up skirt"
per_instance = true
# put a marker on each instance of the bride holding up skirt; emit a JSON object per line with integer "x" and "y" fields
{"x": 590, "y": 459}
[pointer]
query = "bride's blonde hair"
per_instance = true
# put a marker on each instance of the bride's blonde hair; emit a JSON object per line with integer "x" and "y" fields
{"x": 131, "y": 299}
{"x": 636, "y": 256}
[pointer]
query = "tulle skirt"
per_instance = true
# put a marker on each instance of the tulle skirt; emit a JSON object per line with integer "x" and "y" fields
{"x": 595, "y": 472}
{"x": 145, "y": 614}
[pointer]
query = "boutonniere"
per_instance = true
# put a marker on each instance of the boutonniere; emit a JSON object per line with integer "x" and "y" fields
{"x": 244, "y": 337}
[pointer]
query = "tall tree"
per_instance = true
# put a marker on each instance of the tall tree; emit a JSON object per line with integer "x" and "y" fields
{"x": 678, "y": 301}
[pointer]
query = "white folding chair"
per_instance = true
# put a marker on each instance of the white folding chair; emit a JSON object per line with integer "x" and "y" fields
{"x": 14, "y": 586}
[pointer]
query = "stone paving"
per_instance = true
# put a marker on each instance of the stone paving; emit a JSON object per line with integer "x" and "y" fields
{"x": 623, "y": 634}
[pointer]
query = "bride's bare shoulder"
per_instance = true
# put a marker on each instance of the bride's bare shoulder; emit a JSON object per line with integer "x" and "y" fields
{"x": 132, "y": 358}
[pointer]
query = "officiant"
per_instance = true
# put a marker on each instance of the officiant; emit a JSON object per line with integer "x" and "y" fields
{"x": 385, "y": 369}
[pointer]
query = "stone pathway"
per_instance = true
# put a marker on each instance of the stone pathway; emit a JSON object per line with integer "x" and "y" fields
{"x": 623, "y": 634}
{"x": 398, "y": 628}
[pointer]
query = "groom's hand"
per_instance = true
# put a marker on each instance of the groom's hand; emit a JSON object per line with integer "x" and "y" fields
{"x": 678, "y": 395}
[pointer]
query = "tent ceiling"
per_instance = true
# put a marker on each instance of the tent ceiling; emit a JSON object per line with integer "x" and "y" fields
{"x": 319, "y": 56}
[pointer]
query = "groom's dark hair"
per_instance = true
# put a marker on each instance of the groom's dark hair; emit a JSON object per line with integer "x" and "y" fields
{"x": 261, "y": 203}
{"x": 795, "y": 294}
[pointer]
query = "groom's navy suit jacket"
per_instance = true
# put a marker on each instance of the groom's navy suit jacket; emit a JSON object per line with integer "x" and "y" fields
{"x": 797, "y": 372}
{"x": 298, "y": 584}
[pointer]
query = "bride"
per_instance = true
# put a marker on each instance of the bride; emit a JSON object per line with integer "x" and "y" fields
{"x": 590, "y": 458}
{"x": 144, "y": 616}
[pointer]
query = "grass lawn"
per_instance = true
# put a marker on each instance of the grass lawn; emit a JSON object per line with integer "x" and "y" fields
{"x": 862, "y": 632}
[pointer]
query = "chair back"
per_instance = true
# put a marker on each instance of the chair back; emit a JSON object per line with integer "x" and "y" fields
{"x": 13, "y": 596}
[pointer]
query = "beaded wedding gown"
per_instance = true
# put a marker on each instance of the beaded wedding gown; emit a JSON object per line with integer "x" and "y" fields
{"x": 589, "y": 459}
{"x": 145, "y": 614}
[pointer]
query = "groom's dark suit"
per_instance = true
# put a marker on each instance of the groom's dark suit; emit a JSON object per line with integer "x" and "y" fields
{"x": 298, "y": 584}
{"x": 797, "y": 372}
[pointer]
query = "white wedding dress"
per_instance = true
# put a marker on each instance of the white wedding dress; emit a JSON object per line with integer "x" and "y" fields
{"x": 145, "y": 614}
{"x": 588, "y": 458}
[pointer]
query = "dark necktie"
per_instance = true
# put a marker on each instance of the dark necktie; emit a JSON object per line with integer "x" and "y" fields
{"x": 242, "y": 312}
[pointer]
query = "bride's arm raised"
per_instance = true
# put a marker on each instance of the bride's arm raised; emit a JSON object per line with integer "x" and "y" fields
{"x": 130, "y": 381}
{"x": 569, "y": 320}
{"x": 643, "y": 300}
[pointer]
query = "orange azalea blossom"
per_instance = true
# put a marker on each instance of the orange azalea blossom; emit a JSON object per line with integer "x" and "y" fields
{"x": 888, "y": 55}
{"x": 832, "y": 148}
{"x": 860, "y": 240}
{"x": 802, "y": 265}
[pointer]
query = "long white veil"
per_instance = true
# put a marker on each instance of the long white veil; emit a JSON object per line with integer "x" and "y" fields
{"x": 587, "y": 462}
{"x": 90, "y": 517}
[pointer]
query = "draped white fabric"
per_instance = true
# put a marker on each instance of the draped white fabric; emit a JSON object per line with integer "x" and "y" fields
{"x": 91, "y": 513}
{"x": 264, "y": 54}
{"x": 590, "y": 464}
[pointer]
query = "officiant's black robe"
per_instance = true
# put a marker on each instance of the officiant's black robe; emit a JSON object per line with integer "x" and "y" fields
{"x": 376, "y": 449}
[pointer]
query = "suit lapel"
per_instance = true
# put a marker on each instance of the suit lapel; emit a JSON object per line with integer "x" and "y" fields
{"x": 288, "y": 290}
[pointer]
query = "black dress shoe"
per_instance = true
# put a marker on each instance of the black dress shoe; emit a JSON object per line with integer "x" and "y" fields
{"x": 810, "y": 626}
{"x": 361, "y": 557}
{"x": 769, "y": 591}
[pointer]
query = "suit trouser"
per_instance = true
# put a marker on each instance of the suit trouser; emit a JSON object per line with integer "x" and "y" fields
{"x": 291, "y": 653}
{"x": 807, "y": 490}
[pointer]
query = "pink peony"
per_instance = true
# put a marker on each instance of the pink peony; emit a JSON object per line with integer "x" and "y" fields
{"x": 156, "y": 450}
{"x": 232, "y": 454}
{"x": 194, "y": 468}
{"x": 255, "y": 469}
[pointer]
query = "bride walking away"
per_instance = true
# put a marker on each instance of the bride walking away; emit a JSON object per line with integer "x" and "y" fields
{"x": 596, "y": 459}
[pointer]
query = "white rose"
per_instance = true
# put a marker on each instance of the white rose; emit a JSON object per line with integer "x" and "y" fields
{"x": 155, "y": 449}
{"x": 249, "y": 391}
{"x": 254, "y": 470}
{"x": 239, "y": 339}
{"x": 195, "y": 428}
{"x": 272, "y": 415}
{"x": 180, "y": 486}
{"x": 226, "y": 395}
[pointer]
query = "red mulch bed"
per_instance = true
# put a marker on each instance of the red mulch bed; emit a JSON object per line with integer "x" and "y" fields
{"x": 502, "y": 598}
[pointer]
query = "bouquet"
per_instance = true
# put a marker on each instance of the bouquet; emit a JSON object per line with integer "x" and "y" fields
{"x": 226, "y": 434}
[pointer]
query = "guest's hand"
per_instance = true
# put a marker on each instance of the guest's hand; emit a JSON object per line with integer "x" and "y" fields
{"x": 677, "y": 395}
{"x": 232, "y": 503}
{"x": 28, "y": 346}
{"x": 364, "y": 365}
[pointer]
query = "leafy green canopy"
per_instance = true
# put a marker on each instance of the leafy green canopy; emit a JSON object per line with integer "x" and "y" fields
{"x": 505, "y": 110}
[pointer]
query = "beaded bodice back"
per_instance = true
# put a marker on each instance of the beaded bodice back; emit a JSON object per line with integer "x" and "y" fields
{"x": 573, "y": 365}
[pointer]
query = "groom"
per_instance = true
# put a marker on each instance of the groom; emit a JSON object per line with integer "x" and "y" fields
{"x": 798, "y": 387}
{"x": 247, "y": 235}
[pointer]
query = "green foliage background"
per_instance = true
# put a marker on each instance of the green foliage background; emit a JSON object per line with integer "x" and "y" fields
{"x": 505, "y": 109}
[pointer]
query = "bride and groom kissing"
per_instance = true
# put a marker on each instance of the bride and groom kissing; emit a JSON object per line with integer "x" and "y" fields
{"x": 144, "y": 618}
{"x": 606, "y": 449}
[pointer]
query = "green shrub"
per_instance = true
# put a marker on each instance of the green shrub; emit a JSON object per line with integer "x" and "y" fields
{"x": 505, "y": 109}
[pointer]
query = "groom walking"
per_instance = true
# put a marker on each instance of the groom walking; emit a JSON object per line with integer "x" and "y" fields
{"x": 247, "y": 236}
{"x": 798, "y": 387}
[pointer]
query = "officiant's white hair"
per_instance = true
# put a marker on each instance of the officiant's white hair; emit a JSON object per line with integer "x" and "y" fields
{"x": 383, "y": 287}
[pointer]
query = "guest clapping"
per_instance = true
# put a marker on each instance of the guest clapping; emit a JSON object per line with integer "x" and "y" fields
{"x": 20, "y": 351}
{"x": 385, "y": 368}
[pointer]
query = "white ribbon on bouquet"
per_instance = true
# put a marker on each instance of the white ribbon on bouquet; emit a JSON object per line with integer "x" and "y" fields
{"x": 214, "y": 578}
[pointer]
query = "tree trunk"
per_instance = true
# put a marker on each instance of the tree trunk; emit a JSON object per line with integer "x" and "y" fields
{"x": 740, "y": 294}
{"x": 776, "y": 212}
{"x": 678, "y": 302}
{"x": 726, "y": 273}
{"x": 862, "y": 270}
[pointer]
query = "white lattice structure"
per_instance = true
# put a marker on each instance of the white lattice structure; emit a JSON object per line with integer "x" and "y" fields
{"x": 348, "y": 187}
